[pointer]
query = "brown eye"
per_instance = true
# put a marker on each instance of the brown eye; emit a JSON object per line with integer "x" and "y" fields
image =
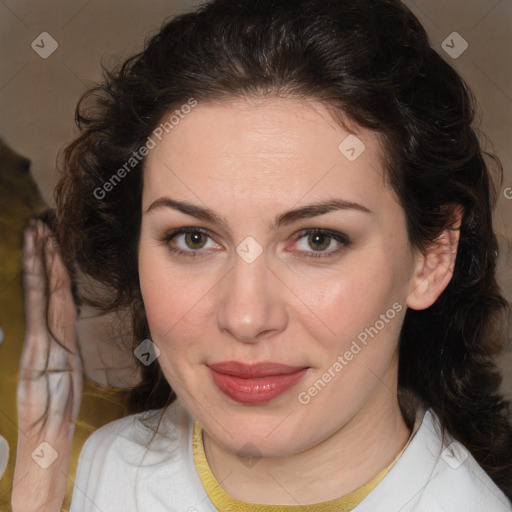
{"x": 195, "y": 239}
{"x": 319, "y": 241}
{"x": 315, "y": 243}
{"x": 191, "y": 242}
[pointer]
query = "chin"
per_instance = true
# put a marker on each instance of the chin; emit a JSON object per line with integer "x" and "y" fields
{"x": 250, "y": 435}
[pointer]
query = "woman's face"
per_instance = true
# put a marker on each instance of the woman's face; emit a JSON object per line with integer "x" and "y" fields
{"x": 270, "y": 333}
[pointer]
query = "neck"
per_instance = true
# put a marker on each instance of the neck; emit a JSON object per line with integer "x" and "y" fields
{"x": 343, "y": 462}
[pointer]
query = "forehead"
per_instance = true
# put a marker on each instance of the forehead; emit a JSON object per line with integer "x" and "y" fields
{"x": 274, "y": 148}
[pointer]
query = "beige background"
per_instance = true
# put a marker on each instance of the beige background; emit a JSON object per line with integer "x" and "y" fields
{"x": 38, "y": 96}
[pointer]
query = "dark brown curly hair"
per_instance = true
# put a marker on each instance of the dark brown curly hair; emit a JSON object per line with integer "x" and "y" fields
{"x": 371, "y": 61}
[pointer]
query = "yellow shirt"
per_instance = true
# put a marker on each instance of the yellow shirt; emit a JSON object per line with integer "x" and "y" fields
{"x": 226, "y": 503}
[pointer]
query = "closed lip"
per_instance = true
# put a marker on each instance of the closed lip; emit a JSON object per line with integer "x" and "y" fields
{"x": 254, "y": 370}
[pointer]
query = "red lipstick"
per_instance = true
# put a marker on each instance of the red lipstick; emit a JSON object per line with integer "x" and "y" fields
{"x": 255, "y": 383}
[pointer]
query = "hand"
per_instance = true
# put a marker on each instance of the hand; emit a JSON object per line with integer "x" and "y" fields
{"x": 50, "y": 381}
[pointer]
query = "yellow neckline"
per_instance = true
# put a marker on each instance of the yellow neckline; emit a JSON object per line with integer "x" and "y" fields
{"x": 226, "y": 503}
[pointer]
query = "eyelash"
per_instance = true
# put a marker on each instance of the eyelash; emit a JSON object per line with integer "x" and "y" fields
{"x": 339, "y": 237}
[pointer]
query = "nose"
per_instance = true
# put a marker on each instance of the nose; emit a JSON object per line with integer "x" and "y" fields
{"x": 251, "y": 303}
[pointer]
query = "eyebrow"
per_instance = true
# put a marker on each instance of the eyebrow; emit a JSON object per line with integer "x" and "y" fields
{"x": 304, "y": 212}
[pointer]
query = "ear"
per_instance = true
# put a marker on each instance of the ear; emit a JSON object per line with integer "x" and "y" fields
{"x": 434, "y": 267}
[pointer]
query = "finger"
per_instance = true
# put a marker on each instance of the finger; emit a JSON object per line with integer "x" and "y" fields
{"x": 61, "y": 309}
{"x": 36, "y": 348}
{"x": 66, "y": 392}
{"x": 34, "y": 281}
{"x": 32, "y": 402}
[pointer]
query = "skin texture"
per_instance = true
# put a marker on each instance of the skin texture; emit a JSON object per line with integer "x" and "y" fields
{"x": 250, "y": 161}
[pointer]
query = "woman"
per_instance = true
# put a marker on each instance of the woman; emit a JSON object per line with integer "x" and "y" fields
{"x": 292, "y": 201}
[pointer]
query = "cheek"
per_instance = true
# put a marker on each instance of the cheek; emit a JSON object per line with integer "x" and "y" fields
{"x": 361, "y": 313}
{"x": 166, "y": 314}
{"x": 357, "y": 297}
{"x": 159, "y": 294}
{"x": 154, "y": 294}
{"x": 175, "y": 303}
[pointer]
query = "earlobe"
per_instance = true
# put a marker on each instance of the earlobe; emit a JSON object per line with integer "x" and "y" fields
{"x": 434, "y": 267}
